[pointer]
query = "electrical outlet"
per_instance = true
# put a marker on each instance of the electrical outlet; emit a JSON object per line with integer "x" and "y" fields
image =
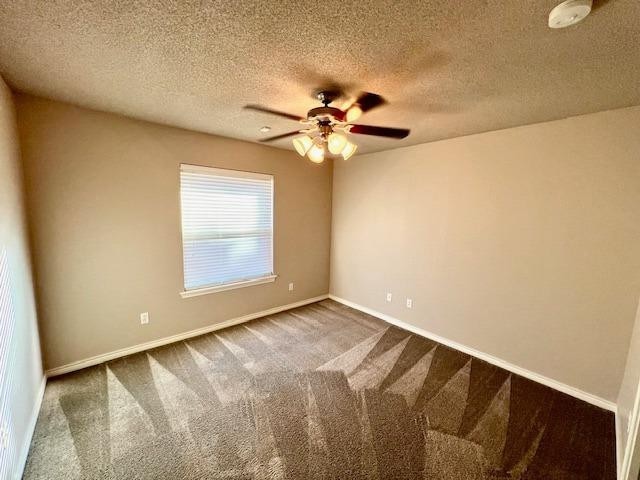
{"x": 409, "y": 303}
{"x": 144, "y": 318}
{"x": 291, "y": 287}
{"x": 389, "y": 297}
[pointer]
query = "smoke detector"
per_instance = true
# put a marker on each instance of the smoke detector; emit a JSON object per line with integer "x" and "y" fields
{"x": 569, "y": 13}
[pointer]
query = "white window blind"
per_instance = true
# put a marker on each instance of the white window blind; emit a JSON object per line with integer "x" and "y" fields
{"x": 227, "y": 226}
{"x": 8, "y": 445}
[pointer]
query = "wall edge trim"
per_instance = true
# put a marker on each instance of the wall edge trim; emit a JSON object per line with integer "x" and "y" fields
{"x": 624, "y": 472}
{"x": 104, "y": 357}
{"x": 523, "y": 372}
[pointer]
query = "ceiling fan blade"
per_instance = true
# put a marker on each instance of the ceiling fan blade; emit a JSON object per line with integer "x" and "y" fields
{"x": 278, "y": 137}
{"x": 368, "y": 101}
{"x": 262, "y": 109}
{"x": 380, "y": 131}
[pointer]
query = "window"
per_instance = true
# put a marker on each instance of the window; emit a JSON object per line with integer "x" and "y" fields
{"x": 9, "y": 448}
{"x": 227, "y": 229}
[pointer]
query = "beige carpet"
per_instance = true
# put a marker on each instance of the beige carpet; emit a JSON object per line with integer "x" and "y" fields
{"x": 318, "y": 392}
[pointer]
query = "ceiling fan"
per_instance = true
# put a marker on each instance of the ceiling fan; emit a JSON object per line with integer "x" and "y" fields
{"x": 326, "y": 127}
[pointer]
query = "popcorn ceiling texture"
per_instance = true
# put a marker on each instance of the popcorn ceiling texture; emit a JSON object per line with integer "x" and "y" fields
{"x": 448, "y": 68}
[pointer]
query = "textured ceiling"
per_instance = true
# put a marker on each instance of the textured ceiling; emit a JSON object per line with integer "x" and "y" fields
{"x": 448, "y": 68}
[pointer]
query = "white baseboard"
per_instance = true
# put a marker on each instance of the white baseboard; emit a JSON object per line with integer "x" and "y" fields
{"x": 26, "y": 444}
{"x": 123, "y": 352}
{"x": 536, "y": 377}
{"x": 624, "y": 459}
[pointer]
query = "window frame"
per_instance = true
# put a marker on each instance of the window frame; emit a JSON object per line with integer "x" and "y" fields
{"x": 232, "y": 173}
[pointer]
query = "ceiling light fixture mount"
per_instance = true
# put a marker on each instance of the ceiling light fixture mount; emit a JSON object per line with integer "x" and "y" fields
{"x": 265, "y": 129}
{"x": 327, "y": 128}
{"x": 569, "y": 13}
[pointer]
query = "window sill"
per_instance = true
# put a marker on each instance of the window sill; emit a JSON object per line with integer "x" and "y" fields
{"x": 228, "y": 286}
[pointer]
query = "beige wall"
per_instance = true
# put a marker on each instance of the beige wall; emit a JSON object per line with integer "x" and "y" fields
{"x": 521, "y": 243}
{"x": 26, "y": 373}
{"x": 103, "y": 194}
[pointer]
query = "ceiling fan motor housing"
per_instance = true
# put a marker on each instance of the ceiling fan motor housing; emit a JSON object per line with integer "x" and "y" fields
{"x": 326, "y": 113}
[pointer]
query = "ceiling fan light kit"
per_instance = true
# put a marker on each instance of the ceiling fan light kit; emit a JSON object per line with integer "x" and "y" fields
{"x": 302, "y": 144}
{"x": 336, "y": 143}
{"x": 327, "y": 128}
{"x": 349, "y": 150}
{"x": 316, "y": 154}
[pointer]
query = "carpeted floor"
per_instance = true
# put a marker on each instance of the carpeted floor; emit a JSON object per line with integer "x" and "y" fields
{"x": 318, "y": 392}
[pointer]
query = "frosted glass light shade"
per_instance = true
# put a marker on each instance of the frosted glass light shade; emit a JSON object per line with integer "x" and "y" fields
{"x": 354, "y": 113}
{"x": 316, "y": 154}
{"x": 349, "y": 150}
{"x": 336, "y": 143}
{"x": 302, "y": 144}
